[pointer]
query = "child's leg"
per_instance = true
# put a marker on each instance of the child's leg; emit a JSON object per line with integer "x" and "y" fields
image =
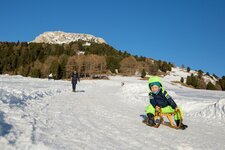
{"x": 177, "y": 116}
{"x": 150, "y": 109}
{"x": 169, "y": 109}
{"x": 150, "y": 112}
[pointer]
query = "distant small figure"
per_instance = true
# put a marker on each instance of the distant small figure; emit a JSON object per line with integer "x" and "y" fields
{"x": 50, "y": 76}
{"x": 122, "y": 83}
{"x": 75, "y": 78}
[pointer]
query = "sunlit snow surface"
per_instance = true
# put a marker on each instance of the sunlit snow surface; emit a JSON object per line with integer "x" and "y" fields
{"x": 44, "y": 114}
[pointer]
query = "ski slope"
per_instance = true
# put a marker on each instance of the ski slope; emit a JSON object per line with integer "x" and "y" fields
{"x": 45, "y": 114}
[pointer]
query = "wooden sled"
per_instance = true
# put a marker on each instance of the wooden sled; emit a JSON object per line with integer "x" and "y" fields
{"x": 159, "y": 119}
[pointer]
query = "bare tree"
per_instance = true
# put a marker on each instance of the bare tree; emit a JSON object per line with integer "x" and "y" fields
{"x": 79, "y": 63}
{"x": 129, "y": 65}
{"x": 152, "y": 67}
{"x": 70, "y": 66}
{"x": 101, "y": 64}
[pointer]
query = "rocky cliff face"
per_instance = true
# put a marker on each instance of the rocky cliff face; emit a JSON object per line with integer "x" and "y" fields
{"x": 59, "y": 37}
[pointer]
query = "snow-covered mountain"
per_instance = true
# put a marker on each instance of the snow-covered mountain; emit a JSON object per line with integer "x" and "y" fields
{"x": 59, "y": 37}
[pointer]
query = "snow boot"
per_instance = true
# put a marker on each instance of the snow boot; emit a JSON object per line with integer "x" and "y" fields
{"x": 183, "y": 126}
{"x": 151, "y": 121}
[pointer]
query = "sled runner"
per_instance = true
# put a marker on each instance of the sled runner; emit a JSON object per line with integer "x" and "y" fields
{"x": 160, "y": 119}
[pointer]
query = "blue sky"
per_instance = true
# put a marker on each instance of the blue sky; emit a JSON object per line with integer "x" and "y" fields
{"x": 189, "y": 32}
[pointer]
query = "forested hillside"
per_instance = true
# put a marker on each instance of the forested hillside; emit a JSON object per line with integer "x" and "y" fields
{"x": 41, "y": 59}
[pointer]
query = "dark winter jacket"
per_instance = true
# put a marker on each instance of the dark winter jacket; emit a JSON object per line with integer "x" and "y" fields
{"x": 75, "y": 78}
{"x": 162, "y": 99}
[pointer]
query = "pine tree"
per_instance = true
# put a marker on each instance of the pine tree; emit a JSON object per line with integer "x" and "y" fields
{"x": 210, "y": 86}
{"x": 189, "y": 80}
{"x": 143, "y": 74}
{"x": 200, "y": 74}
{"x": 188, "y": 69}
{"x": 36, "y": 73}
{"x": 165, "y": 67}
{"x": 113, "y": 63}
{"x": 55, "y": 69}
{"x": 222, "y": 83}
{"x": 216, "y": 76}
{"x": 182, "y": 80}
{"x": 194, "y": 81}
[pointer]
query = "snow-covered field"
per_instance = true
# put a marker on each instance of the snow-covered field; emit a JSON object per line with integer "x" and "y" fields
{"x": 44, "y": 114}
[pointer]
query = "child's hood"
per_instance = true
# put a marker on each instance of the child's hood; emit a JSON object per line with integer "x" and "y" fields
{"x": 154, "y": 79}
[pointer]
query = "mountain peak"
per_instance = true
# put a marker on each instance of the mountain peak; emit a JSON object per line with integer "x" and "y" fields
{"x": 59, "y": 37}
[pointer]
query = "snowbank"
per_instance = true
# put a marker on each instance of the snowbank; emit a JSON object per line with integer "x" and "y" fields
{"x": 17, "y": 90}
{"x": 103, "y": 114}
{"x": 213, "y": 111}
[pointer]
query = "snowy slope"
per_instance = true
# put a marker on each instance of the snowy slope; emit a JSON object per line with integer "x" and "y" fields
{"x": 42, "y": 114}
{"x": 177, "y": 73}
{"x": 59, "y": 37}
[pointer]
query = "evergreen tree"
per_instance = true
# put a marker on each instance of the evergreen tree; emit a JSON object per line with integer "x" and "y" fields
{"x": 143, "y": 73}
{"x": 182, "y": 80}
{"x": 188, "y": 69}
{"x": 36, "y": 73}
{"x": 189, "y": 80}
{"x": 62, "y": 66}
{"x": 60, "y": 72}
{"x": 216, "y": 76}
{"x": 194, "y": 81}
{"x": 165, "y": 67}
{"x": 210, "y": 86}
{"x": 54, "y": 69}
{"x": 113, "y": 63}
{"x": 200, "y": 74}
{"x": 222, "y": 83}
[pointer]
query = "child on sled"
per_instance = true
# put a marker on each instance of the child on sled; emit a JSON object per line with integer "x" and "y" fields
{"x": 159, "y": 98}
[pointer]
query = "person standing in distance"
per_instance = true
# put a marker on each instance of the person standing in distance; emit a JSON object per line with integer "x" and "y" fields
{"x": 75, "y": 78}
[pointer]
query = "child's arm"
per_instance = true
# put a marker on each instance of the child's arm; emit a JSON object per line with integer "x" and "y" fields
{"x": 170, "y": 100}
{"x": 152, "y": 100}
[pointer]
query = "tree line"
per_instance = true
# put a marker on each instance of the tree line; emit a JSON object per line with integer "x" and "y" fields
{"x": 41, "y": 59}
{"x": 198, "y": 82}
